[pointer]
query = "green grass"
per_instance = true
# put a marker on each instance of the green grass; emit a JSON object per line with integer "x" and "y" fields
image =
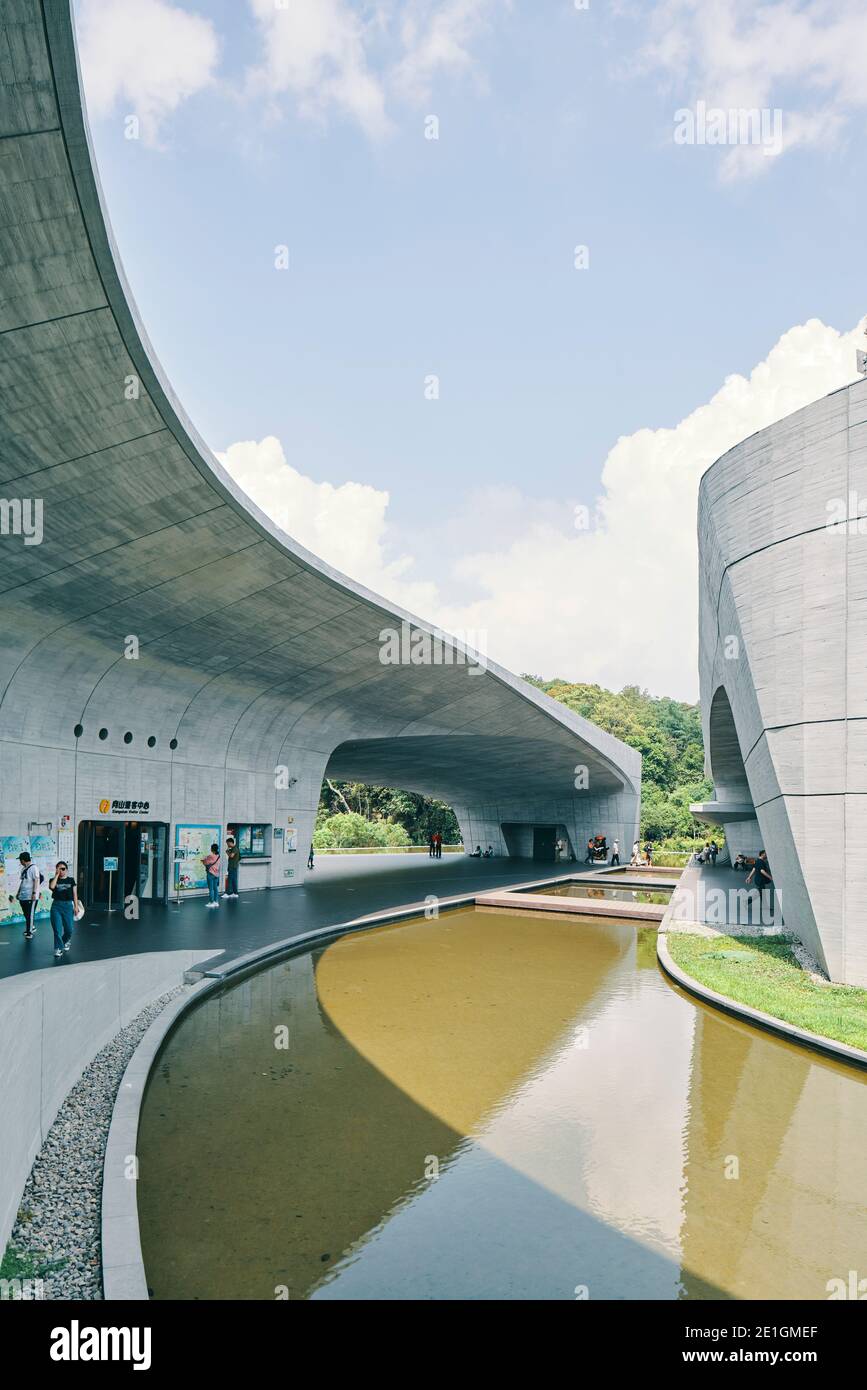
{"x": 20, "y": 1264}
{"x": 766, "y": 975}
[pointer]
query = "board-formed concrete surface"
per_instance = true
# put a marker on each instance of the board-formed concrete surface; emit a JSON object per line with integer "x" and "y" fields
{"x": 165, "y": 644}
{"x": 783, "y": 655}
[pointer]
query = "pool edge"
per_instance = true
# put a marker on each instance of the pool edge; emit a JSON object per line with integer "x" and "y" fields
{"x": 790, "y": 1032}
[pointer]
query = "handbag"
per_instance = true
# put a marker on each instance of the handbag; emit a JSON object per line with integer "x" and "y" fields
{"x": 79, "y": 911}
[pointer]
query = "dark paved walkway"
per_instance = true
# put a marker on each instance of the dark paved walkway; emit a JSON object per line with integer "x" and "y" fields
{"x": 340, "y": 888}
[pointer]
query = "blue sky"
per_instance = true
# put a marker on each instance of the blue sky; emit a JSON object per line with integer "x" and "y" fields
{"x": 454, "y": 256}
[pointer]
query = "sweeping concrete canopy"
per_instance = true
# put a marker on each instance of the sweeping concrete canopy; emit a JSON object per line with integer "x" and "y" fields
{"x": 255, "y": 666}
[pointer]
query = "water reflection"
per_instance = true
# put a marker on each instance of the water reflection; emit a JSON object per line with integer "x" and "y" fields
{"x": 580, "y": 1113}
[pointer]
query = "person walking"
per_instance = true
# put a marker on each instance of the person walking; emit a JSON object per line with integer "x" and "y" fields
{"x": 438, "y": 846}
{"x": 432, "y": 845}
{"x": 648, "y": 854}
{"x": 64, "y": 906}
{"x": 763, "y": 879}
{"x": 615, "y": 852}
{"x": 233, "y": 863}
{"x": 212, "y": 875}
{"x": 636, "y": 854}
{"x": 27, "y": 893}
{"x": 310, "y": 863}
{"x": 714, "y": 851}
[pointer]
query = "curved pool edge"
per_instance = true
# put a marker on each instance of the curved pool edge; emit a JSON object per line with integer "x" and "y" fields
{"x": 790, "y": 1032}
{"x": 123, "y": 1271}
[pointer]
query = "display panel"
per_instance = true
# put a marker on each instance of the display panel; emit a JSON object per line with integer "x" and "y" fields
{"x": 192, "y": 843}
{"x": 43, "y": 849}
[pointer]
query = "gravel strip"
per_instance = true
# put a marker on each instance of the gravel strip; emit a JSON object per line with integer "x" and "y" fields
{"x": 57, "y": 1232}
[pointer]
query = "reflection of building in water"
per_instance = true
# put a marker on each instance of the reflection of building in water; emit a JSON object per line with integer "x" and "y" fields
{"x": 796, "y": 1128}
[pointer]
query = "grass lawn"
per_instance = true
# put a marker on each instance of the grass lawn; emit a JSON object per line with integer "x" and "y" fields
{"x": 765, "y": 974}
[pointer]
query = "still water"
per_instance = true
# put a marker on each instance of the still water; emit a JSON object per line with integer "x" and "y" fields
{"x": 493, "y": 1105}
{"x": 593, "y": 890}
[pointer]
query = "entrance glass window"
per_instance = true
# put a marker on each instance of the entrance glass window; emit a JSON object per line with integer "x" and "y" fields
{"x": 135, "y": 854}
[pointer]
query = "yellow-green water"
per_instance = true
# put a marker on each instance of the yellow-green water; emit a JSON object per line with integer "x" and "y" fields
{"x": 493, "y": 1105}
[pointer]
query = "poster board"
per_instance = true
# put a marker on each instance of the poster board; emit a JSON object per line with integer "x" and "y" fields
{"x": 43, "y": 851}
{"x": 192, "y": 843}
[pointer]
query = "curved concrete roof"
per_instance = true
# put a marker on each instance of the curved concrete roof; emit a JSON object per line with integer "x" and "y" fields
{"x": 250, "y": 645}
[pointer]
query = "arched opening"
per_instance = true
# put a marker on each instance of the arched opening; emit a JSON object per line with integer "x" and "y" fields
{"x": 727, "y": 769}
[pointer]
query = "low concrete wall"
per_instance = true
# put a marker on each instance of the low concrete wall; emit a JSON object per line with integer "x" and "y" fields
{"x": 52, "y": 1024}
{"x": 583, "y": 907}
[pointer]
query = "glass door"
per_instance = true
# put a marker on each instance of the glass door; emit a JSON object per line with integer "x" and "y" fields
{"x": 106, "y": 864}
{"x": 152, "y": 863}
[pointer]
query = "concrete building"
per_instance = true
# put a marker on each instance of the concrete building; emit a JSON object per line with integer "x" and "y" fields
{"x": 783, "y": 654}
{"x": 171, "y": 663}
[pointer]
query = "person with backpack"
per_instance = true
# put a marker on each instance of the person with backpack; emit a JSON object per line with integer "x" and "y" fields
{"x": 212, "y": 875}
{"x": 28, "y": 893}
{"x": 64, "y": 892}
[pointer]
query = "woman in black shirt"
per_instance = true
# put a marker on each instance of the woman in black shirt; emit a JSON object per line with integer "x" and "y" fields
{"x": 64, "y": 892}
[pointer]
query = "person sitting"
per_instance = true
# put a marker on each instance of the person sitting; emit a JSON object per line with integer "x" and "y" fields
{"x": 489, "y": 852}
{"x": 476, "y": 853}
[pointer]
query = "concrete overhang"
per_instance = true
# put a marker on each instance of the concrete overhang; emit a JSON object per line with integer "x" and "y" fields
{"x": 252, "y": 652}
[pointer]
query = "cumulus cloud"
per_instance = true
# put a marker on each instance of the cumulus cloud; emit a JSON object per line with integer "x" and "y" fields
{"x": 145, "y": 58}
{"x": 345, "y": 525}
{"x": 805, "y": 57}
{"x": 615, "y": 603}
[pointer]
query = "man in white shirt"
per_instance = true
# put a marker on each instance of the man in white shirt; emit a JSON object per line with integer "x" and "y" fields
{"x": 28, "y": 892}
{"x": 615, "y": 852}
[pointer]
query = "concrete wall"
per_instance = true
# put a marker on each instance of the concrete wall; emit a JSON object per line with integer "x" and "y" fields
{"x": 166, "y": 642}
{"x": 52, "y": 1024}
{"x": 783, "y": 645}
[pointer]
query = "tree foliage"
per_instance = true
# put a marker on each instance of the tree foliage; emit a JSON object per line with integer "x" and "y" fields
{"x": 411, "y": 816}
{"x": 667, "y": 734}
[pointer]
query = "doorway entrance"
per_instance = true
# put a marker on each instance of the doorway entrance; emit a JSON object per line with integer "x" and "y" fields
{"x": 136, "y": 857}
{"x": 545, "y": 843}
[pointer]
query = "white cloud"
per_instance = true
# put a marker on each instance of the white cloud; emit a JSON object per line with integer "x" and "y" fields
{"x": 805, "y": 57}
{"x": 317, "y": 50}
{"x": 436, "y": 39}
{"x": 616, "y": 604}
{"x": 333, "y": 55}
{"x": 345, "y": 525}
{"x": 145, "y": 58}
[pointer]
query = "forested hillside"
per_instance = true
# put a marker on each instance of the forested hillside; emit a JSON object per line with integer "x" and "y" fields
{"x": 667, "y": 734}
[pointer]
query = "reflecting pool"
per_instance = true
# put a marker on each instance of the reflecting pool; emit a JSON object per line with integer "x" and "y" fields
{"x": 650, "y": 894}
{"x": 493, "y": 1105}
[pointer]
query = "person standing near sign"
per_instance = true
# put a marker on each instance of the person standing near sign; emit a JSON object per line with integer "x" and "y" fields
{"x": 212, "y": 875}
{"x": 64, "y": 891}
{"x": 233, "y": 859}
{"x": 28, "y": 893}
